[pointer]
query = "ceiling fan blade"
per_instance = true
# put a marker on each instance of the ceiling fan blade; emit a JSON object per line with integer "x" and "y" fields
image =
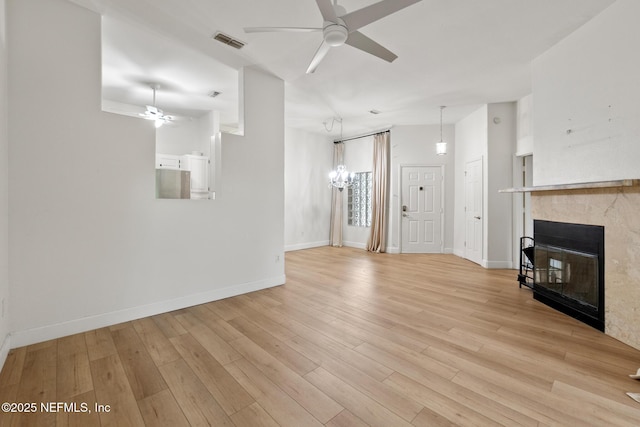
{"x": 280, "y": 29}
{"x": 361, "y": 17}
{"x": 320, "y": 53}
{"x": 327, "y": 10}
{"x": 364, "y": 43}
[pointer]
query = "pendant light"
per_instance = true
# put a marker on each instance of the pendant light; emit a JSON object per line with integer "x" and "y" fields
{"x": 441, "y": 147}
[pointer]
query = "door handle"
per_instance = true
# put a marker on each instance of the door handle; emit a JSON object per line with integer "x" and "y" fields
{"x": 476, "y": 217}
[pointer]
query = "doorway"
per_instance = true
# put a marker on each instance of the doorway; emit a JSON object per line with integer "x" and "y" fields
{"x": 422, "y": 209}
{"x": 473, "y": 211}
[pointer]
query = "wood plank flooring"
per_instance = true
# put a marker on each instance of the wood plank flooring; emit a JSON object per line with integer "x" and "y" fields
{"x": 352, "y": 339}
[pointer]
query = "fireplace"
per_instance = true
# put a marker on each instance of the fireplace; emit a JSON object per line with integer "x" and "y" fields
{"x": 569, "y": 269}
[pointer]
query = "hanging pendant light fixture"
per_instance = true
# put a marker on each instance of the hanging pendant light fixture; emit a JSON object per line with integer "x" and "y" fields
{"x": 441, "y": 147}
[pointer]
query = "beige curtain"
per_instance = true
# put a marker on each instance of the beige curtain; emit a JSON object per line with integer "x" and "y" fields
{"x": 379, "y": 193}
{"x": 335, "y": 238}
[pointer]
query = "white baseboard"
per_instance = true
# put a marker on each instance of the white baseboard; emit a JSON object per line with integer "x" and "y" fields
{"x": 309, "y": 245}
{"x": 357, "y": 245}
{"x": 396, "y": 250}
{"x": 44, "y": 333}
{"x": 4, "y": 350}
{"x": 497, "y": 264}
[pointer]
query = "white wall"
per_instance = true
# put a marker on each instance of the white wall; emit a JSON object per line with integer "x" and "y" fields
{"x": 185, "y": 136}
{"x": 90, "y": 245}
{"x": 479, "y": 136}
{"x": 308, "y": 160}
{"x": 524, "y": 140}
{"x": 415, "y": 146}
{"x": 501, "y": 148}
{"x": 586, "y": 105}
{"x": 4, "y": 195}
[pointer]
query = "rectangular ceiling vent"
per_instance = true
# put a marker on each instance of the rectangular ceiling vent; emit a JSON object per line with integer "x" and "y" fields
{"x": 228, "y": 40}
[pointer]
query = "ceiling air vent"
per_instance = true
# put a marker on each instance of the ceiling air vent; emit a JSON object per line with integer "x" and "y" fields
{"x": 228, "y": 40}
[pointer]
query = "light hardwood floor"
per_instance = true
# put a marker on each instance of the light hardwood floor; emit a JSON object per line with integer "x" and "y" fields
{"x": 351, "y": 339}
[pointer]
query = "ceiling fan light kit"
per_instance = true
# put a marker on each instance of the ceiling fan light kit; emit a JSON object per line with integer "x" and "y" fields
{"x": 154, "y": 113}
{"x": 341, "y": 28}
{"x": 335, "y": 34}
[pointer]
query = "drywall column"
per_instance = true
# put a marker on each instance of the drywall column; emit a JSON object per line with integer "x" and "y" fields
{"x": 4, "y": 194}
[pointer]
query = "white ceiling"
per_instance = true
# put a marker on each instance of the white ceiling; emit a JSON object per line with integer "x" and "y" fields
{"x": 458, "y": 53}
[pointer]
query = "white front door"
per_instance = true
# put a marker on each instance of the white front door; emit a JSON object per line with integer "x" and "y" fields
{"x": 473, "y": 211}
{"x": 421, "y": 206}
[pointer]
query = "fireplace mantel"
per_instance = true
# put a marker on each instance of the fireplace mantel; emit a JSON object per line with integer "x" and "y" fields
{"x": 576, "y": 186}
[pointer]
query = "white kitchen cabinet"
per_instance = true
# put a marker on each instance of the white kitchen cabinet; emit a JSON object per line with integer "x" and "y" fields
{"x": 199, "y": 168}
{"x": 168, "y": 161}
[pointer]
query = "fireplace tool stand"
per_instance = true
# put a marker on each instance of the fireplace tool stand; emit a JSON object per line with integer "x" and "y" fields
{"x": 525, "y": 275}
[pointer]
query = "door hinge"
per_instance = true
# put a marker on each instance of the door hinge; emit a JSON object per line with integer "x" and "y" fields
{"x": 465, "y": 244}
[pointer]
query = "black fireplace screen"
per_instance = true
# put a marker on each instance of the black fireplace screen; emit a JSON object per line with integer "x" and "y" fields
{"x": 569, "y": 269}
{"x": 568, "y": 273}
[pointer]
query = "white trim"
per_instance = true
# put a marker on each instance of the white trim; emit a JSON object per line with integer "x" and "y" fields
{"x": 393, "y": 250}
{"x": 308, "y": 245}
{"x": 497, "y": 264}
{"x": 44, "y": 333}
{"x": 356, "y": 245}
{"x": 4, "y": 350}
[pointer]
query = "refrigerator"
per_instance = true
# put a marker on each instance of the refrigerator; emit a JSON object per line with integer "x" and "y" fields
{"x": 173, "y": 184}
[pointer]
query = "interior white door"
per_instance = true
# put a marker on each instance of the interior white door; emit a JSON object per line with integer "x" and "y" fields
{"x": 473, "y": 211}
{"x": 422, "y": 212}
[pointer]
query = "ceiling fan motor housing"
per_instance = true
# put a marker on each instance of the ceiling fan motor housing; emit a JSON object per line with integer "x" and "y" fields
{"x": 335, "y": 34}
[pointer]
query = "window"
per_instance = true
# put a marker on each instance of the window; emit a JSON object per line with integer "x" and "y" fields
{"x": 359, "y": 200}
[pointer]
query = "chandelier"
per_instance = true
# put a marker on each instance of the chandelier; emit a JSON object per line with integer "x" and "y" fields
{"x": 341, "y": 178}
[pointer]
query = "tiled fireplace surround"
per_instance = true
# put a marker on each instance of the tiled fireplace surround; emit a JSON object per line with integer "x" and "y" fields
{"x": 618, "y": 210}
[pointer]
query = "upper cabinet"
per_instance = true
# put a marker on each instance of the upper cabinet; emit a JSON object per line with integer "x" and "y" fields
{"x": 168, "y": 161}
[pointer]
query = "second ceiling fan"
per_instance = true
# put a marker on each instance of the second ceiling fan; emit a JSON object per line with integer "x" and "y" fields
{"x": 340, "y": 28}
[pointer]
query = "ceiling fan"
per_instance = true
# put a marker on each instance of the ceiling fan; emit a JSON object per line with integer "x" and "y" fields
{"x": 154, "y": 113}
{"x": 340, "y": 27}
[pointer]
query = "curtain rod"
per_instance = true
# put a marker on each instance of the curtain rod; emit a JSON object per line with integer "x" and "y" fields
{"x": 360, "y": 136}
